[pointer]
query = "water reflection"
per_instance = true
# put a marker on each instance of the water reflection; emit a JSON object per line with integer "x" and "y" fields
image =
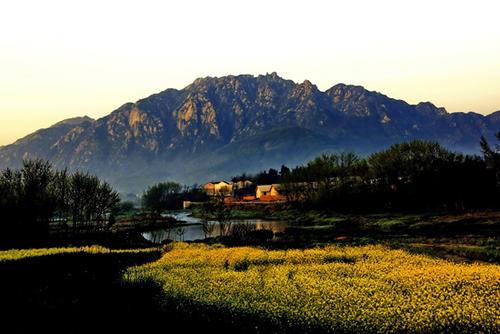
{"x": 199, "y": 231}
{"x": 184, "y": 216}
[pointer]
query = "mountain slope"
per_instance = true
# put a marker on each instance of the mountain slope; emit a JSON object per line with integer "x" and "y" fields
{"x": 216, "y": 127}
{"x": 40, "y": 143}
{"x": 290, "y": 146}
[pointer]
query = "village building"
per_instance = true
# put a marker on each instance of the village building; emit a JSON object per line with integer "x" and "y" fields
{"x": 218, "y": 188}
{"x": 242, "y": 184}
{"x": 244, "y": 190}
{"x": 269, "y": 193}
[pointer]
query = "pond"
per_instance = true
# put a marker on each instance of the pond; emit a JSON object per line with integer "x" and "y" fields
{"x": 193, "y": 230}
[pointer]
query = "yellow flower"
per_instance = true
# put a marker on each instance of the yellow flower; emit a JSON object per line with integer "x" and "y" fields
{"x": 360, "y": 289}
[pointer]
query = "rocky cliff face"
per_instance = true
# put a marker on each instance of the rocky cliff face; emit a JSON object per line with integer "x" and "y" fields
{"x": 216, "y": 127}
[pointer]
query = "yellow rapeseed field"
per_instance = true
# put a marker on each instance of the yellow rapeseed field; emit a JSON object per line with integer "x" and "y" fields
{"x": 17, "y": 254}
{"x": 355, "y": 289}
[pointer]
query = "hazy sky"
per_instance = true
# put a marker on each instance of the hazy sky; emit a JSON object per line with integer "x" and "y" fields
{"x": 61, "y": 59}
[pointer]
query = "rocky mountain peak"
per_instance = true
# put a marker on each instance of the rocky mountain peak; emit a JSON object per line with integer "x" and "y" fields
{"x": 219, "y": 126}
{"x": 430, "y": 109}
{"x": 309, "y": 86}
{"x": 495, "y": 117}
{"x": 74, "y": 121}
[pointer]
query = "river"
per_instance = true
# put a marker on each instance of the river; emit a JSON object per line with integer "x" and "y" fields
{"x": 193, "y": 230}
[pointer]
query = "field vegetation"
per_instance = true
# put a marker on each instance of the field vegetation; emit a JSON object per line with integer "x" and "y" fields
{"x": 74, "y": 290}
{"x": 332, "y": 289}
{"x": 22, "y": 254}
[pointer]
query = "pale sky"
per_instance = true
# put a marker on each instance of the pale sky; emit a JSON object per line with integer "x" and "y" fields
{"x": 61, "y": 59}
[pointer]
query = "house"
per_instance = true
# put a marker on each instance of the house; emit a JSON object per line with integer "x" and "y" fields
{"x": 242, "y": 189}
{"x": 242, "y": 184}
{"x": 217, "y": 188}
{"x": 269, "y": 193}
{"x": 209, "y": 188}
{"x": 263, "y": 190}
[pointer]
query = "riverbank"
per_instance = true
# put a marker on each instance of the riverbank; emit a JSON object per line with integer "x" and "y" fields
{"x": 383, "y": 221}
{"x": 472, "y": 236}
{"x": 145, "y": 222}
{"x": 460, "y": 236}
{"x": 469, "y": 236}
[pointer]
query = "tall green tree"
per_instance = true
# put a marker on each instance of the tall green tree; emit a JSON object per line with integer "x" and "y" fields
{"x": 37, "y": 195}
{"x": 492, "y": 156}
{"x": 163, "y": 196}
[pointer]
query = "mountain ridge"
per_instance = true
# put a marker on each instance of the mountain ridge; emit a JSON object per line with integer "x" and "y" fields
{"x": 152, "y": 138}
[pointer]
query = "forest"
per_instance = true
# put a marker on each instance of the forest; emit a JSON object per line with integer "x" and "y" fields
{"x": 37, "y": 195}
{"x": 417, "y": 176}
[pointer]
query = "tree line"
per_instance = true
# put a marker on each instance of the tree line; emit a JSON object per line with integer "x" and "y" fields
{"x": 413, "y": 176}
{"x": 270, "y": 176}
{"x": 170, "y": 195}
{"x": 417, "y": 175}
{"x": 37, "y": 196}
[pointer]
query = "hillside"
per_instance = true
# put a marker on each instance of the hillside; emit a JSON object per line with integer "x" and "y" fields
{"x": 216, "y": 127}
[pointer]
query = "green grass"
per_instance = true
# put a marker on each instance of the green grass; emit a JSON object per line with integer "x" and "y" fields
{"x": 463, "y": 251}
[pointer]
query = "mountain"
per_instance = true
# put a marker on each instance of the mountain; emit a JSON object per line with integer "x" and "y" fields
{"x": 39, "y": 143}
{"x": 217, "y": 127}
